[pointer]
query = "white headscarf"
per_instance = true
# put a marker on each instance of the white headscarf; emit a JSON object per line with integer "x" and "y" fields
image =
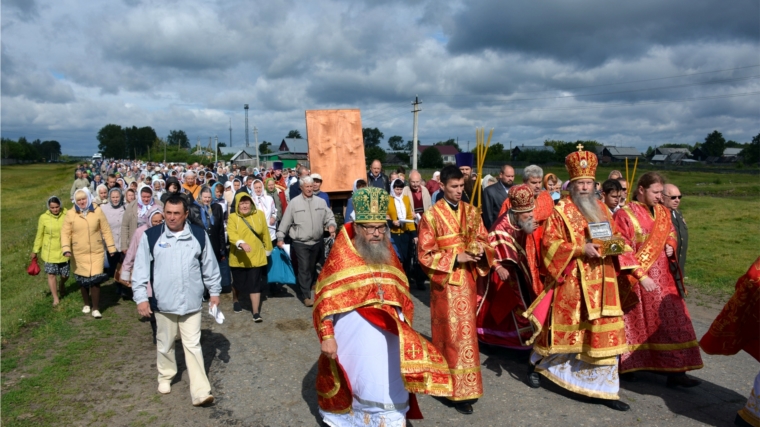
{"x": 265, "y": 203}
{"x": 399, "y": 201}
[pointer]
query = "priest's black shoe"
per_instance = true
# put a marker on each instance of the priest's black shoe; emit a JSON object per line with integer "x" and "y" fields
{"x": 629, "y": 377}
{"x": 533, "y": 377}
{"x": 613, "y": 404}
{"x": 681, "y": 380}
{"x": 464, "y": 408}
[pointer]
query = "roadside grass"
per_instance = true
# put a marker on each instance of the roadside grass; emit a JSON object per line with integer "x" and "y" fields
{"x": 24, "y": 189}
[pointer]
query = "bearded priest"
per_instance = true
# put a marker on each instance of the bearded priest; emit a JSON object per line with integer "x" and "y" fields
{"x": 453, "y": 251}
{"x": 578, "y": 318}
{"x": 510, "y": 291}
{"x": 372, "y": 360}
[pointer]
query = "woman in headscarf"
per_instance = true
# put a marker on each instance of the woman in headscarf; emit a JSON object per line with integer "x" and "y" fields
{"x": 129, "y": 196}
{"x": 229, "y": 193}
{"x": 83, "y": 234}
{"x": 250, "y": 245}
{"x": 349, "y": 215}
{"x": 217, "y": 190}
{"x": 211, "y": 218}
{"x": 102, "y": 197}
{"x": 47, "y": 244}
{"x": 401, "y": 217}
{"x": 236, "y": 184}
{"x": 137, "y": 214}
{"x": 273, "y": 192}
{"x": 121, "y": 183}
{"x": 156, "y": 218}
{"x": 265, "y": 204}
{"x": 157, "y": 190}
{"x": 114, "y": 212}
{"x": 487, "y": 180}
{"x": 434, "y": 184}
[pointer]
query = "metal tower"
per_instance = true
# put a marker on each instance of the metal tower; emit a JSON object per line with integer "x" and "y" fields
{"x": 245, "y": 107}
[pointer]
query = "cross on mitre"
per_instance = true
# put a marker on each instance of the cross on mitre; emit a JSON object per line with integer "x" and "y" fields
{"x": 579, "y": 147}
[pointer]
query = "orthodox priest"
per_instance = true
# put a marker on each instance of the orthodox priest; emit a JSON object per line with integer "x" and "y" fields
{"x": 578, "y": 318}
{"x": 737, "y": 328}
{"x": 453, "y": 251}
{"x": 658, "y": 328}
{"x": 510, "y": 291}
{"x": 280, "y": 183}
{"x": 372, "y": 360}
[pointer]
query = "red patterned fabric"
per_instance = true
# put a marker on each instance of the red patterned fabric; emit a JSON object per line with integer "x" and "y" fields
{"x": 658, "y": 329}
{"x": 453, "y": 291}
{"x": 737, "y": 327}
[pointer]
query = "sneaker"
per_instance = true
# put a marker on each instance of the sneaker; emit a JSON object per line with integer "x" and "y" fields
{"x": 86, "y": 309}
{"x": 236, "y": 307}
{"x": 200, "y": 401}
{"x": 257, "y": 318}
{"x": 96, "y": 314}
{"x": 164, "y": 388}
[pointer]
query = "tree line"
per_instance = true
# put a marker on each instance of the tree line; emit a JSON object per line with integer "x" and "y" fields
{"x": 34, "y": 151}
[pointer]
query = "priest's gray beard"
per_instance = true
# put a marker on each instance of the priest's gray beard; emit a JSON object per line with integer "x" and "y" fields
{"x": 372, "y": 253}
{"x": 528, "y": 226}
{"x": 587, "y": 204}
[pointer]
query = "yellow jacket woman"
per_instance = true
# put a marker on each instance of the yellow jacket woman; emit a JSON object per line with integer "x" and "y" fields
{"x": 249, "y": 228}
{"x": 402, "y": 233}
{"x": 47, "y": 243}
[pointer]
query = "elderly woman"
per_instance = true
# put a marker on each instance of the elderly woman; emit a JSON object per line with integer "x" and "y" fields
{"x": 401, "y": 217}
{"x": 83, "y": 233}
{"x": 250, "y": 244}
{"x": 137, "y": 214}
{"x": 47, "y": 244}
{"x": 114, "y": 212}
{"x": 102, "y": 197}
{"x": 266, "y": 204}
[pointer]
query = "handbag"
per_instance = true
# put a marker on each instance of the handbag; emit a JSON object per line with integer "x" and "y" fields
{"x": 280, "y": 270}
{"x": 34, "y": 268}
{"x": 117, "y": 277}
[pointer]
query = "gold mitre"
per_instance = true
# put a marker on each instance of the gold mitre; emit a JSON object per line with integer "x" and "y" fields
{"x": 370, "y": 205}
{"x": 581, "y": 164}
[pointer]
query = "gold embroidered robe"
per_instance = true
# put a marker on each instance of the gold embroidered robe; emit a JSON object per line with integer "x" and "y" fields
{"x": 453, "y": 293}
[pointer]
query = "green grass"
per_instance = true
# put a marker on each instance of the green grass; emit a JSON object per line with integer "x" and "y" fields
{"x": 24, "y": 190}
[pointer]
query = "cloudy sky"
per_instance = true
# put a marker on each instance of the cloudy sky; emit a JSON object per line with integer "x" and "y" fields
{"x": 623, "y": 73}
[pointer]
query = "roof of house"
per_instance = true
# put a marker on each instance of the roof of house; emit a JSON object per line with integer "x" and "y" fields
{"x": 295, "y": 145}
{"x": 732, "y": 151}
{"x": 668, "y": 150}
{"x": 659, "y": 158}
{"x": 535, "y": 148}
{"x": 676, "y": 157}
{"x": 445, "y": 150}
{"x": 623, "y": 151}
{"x": 230, "y": 150}
{"x": 239, "y": 154}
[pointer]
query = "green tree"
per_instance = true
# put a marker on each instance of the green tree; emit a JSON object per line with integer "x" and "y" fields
{"x": 372, "y": 153}
{"x": 264, "y": 148}
{"x": 431, "y": 159}
{"x": 372, "y": 137}
{"x": 650, "y": 152}
{"x": 714, "y": 144}
{"x": 397, "y": 143}
{"x": 294, "y": 134}
{"x": 452, "y": 142}
{"x": 751, "y": 153}
{"x": 111, "y": 142}
{"x": 178, "y": 138}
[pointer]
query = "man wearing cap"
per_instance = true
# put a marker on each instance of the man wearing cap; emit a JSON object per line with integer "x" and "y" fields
{"x": 317, "y": 185}
{"x": 511, "y": 289}
{"x": 304, "y": 221}
{"x": 579, "y": 317}
{"x": 453, "y": 251}
{"x": 372, "y": 360}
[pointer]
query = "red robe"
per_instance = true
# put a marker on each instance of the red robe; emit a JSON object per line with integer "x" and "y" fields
{"x": 443, "y": 234}
{"x": 502, "y": 303}
{"x": 348, "y": 283}
{"x": 658, "y": 329}
{"x": 737, "y": 327}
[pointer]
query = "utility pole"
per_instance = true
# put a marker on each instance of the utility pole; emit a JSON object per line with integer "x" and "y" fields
{"x": 165, "y": 152}
{"x": 230, "y": 131}
{"x": 216, "y": 148}
{"x": 256, "y": 144}
{"x": 416, "y": 110}
{"x": 245, "y": 107}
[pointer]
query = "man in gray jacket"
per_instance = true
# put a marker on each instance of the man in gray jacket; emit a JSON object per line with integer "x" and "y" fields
{"x": 181, "y": 268}
{"x": 304, "y": 221}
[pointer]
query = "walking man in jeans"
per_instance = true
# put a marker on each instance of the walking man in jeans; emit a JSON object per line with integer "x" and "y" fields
{"x": 178, "y": 266}
{"x": 304, "y": 221}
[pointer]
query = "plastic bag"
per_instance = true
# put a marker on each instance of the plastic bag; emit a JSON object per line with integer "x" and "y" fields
{"x": 34, "y": 268}
{"x": 280, "y": 270}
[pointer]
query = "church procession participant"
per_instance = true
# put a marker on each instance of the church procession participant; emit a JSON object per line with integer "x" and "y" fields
{"x": 511, "y": 289}
{"x": 495, "y": 195}
{"x": 372, "y": 360}
{"x": 579, "y": 318}
{"x": 453, "y": 273}
{"x": 659, "y": 331}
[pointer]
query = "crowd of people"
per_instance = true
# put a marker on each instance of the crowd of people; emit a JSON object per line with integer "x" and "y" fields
{"x": 521, "y": 271}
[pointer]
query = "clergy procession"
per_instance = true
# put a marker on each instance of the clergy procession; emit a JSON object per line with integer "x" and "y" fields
{"x": 582, "y": 279}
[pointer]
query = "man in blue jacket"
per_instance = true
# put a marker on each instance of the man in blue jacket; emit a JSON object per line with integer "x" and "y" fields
{"x": 178, "y": 260}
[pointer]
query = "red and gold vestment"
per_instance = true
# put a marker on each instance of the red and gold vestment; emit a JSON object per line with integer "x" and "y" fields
{"x": 659, "y": 331}
{"x": 377, "y": 292}
{"x": 453, "y": 294}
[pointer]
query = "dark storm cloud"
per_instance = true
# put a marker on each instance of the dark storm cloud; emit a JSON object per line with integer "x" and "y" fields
{"x": 591, "y": 32}
{"x": 20, "y": 78}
